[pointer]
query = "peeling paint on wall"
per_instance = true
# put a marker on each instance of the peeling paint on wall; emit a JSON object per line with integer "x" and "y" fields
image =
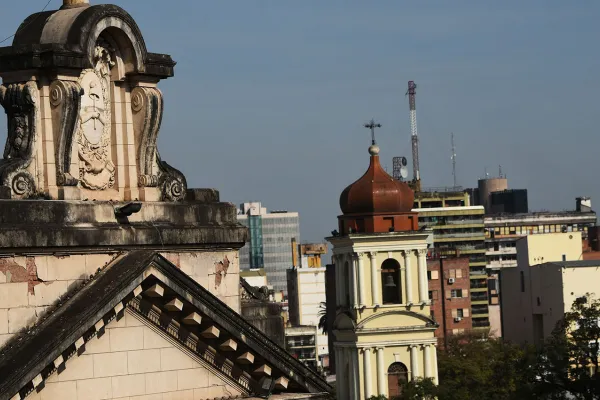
{"x": 221, "y": 268}
{"x": 16, "y": 272}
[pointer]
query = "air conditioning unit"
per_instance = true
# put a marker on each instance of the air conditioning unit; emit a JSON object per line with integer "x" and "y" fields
{"x": 451, "y": 280}
{"x": 457, "y": 319}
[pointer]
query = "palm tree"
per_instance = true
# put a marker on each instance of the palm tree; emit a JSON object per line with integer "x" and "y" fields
{"x": 323, "y": 317}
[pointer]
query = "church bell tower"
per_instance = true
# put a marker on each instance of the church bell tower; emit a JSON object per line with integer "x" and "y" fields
{"x": 384, "y": 335}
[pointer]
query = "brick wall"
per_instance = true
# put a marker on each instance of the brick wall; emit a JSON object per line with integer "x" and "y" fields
{"x": 446, "y": 307}
{"x": 133, "y": 362}
{"x": 30, "y": 285}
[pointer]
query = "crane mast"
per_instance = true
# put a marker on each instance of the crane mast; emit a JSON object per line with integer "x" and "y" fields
{"x": 412, "y": 91}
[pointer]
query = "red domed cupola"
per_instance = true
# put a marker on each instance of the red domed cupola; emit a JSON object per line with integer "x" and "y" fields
{"x": 377, "y": 202}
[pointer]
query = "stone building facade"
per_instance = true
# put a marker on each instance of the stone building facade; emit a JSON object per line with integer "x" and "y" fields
{"x": 116, "y": 280}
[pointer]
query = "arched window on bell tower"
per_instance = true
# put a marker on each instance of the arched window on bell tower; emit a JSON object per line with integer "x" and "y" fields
{"x": 390, "y": 282}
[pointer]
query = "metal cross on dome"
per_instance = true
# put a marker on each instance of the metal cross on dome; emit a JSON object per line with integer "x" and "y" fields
{"x": 372, "y": 125}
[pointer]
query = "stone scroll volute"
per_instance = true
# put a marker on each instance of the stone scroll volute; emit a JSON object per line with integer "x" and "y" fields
{"x": 21, "y": 103}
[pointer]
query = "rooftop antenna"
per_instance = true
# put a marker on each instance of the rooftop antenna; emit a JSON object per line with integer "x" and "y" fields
{"x": 372, "y": 125}
{"x": 500, "y": 171}
{"x": 412, "y": 103}
{"x": 453, "y": 159}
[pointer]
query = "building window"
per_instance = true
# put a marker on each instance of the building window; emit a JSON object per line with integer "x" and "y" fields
{"x": 390, "y": 282}
{"x": 522, "y": 281}
{"x": 459, "y": 313}
{"x": 397, "y": 378}
{"x": 428, "y": 275}
{"x": 456, "y": 293}
{"x": 433, "y": 295}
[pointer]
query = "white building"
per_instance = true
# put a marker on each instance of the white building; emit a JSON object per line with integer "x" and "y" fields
{"x": 306, "y": 293}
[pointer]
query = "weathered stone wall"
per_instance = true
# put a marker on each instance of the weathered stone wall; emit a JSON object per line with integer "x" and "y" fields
{"x": 132, "y": 361}
{"x": 30, "y": 285}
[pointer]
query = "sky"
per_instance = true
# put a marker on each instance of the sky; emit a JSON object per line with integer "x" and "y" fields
{"x": 269, "y": 97}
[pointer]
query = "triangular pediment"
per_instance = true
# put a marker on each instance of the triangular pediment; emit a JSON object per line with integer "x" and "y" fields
{"x": 161, "y": 303}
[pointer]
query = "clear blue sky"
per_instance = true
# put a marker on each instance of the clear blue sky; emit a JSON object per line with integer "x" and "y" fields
{"x": 269, "y": 97}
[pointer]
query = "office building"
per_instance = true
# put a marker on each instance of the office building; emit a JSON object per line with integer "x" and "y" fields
{"x": 384, "y": 335}
{"x": 301, "y": 343}
{"x": 549, "y": 276}
{"x": 513, "y": 201}
{"x": 269, "y": 244}
{"x": 459, "y": 232}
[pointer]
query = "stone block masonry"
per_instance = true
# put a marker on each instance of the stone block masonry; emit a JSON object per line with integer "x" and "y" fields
{"x": 133, "y": 361}
{"x": 30, "y": 286}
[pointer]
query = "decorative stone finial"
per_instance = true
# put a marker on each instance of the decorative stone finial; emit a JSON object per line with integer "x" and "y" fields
{"x": 373, "y": 150}
{"x": 75, "y": 3}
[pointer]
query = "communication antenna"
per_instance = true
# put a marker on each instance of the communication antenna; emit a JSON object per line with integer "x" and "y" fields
{"x": 400, "y": 171}
{"x": 412, "y": 105}
{"x": 500, "y": 171}
{"x": 453, "y": 158}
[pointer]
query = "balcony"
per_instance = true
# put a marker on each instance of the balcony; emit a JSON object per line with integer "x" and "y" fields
{"x": 504, "y": 250}
{"x": 502, "y": 264}
{"x": 479, "y": 296}
{"x": 481, "y": 323}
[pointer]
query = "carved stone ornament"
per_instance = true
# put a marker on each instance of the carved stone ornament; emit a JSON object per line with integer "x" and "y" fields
{"x": 21, "y": 103}
{"x": 65, "y": 98}
{"x": 96, "y": 170}
{"x": 147, "y": 107}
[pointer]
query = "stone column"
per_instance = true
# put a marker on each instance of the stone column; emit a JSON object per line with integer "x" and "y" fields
{"x": 354, "y": 377}
{"x": 408, "y": 277}
{"x": 367, "y": 372}
{"x": 423, "y": 290}
{"x": 362, "y": 296}
{"x": 427, "y": 356}
{"x": 375, "y": 292}
{"x": 414, "y": 361}
{"x": 435, "y": 365}
{"x": 381, "y": 373}
{"x": 341, "y": 374}
{"x": 353, "y": 282}
{"x": 338, "y": 279}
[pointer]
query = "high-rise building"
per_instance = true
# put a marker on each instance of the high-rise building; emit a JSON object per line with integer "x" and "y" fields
{"x": 384, "y": 335}
{"x": 509, "y": 201}
{"x": 502, "y": 231}
{"x": 459, "y": 232}
{"x": 270, "y": 242}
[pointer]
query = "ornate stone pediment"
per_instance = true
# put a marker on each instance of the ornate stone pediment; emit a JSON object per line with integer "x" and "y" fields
{"x": 84, "y": 125}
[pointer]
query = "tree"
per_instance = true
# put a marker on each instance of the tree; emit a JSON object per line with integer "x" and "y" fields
{"x": 567, "y": 364}
{"x": 323, "y": 317}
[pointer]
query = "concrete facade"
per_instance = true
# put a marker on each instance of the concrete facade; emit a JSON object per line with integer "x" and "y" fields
{"x": 306, "y": 295}
{"x": 544, "y": 284}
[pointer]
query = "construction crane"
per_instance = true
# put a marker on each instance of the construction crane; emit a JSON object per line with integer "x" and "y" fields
{"x": 411, "y": 93}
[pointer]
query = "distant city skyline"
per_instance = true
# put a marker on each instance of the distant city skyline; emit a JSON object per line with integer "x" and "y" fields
{"x": 269, "y": 99}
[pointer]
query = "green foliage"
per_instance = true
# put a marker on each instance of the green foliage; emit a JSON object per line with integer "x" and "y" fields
{"x": 323, "y": 317}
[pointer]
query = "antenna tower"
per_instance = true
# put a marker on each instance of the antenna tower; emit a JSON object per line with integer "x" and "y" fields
{"x": 453, "y": 159}
{"x": 412, "y": 91}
